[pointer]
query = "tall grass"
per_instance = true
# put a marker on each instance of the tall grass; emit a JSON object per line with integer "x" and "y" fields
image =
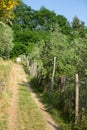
{"x": 5, "y": 68}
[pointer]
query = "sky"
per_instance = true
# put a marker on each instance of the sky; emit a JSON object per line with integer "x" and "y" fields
{"x": 67, "y": 8}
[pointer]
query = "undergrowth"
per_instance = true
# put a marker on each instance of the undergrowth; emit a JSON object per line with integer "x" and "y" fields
{"x": 60, "y": 118}
{"x": 47, "y": 100}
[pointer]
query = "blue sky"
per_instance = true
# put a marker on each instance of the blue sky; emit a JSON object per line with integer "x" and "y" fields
{"x": 68, "y": 8}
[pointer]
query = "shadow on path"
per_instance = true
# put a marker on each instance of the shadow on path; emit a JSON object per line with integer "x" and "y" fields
{"x": 56, "y": 128}
{"x": 42, "y": 107}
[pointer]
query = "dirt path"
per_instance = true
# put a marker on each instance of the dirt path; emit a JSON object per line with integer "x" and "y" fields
{"x": 18, "y": 75}
{"x": 51, "y": 125}
{"x": 15, "y": 79}
{"x": 12, "y": 110}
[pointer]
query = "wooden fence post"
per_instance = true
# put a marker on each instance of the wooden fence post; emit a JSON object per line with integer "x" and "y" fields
{"x": 27, "y": 60}
{"x": 53, "y": 74}
{"x": 77, "y": 100}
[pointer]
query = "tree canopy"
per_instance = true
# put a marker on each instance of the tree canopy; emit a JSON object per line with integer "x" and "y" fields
{"x": 6, "y": 8}
{"x": 6, "y": 41}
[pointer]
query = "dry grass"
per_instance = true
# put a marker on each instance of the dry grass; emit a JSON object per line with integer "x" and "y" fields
{"x": 5, "y": 67}
{"x": 29, "y": 116}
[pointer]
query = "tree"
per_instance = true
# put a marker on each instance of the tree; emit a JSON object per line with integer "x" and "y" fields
{"x": 23, "y": 16}
{"x": 58, "y": 46}
{"x": 6, "y": 8}
{"x": 6, "y": 41}
{"x": 63, "y": 24}
{"x": 44, "y": 18}
{"x": 25, "y": 27}
{"x": 76, "y": 23}
{"x": 18, "y": 49}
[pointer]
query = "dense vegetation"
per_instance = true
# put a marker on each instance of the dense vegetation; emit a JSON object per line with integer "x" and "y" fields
{"x": 42, "y": 35}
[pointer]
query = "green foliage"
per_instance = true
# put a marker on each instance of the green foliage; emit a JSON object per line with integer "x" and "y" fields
{"x": 70, "y": 60}
{"x": 82, "y": 125}
{"x": 63, "y": 24}
{"x": 79, "y": 26}
{"x": 57, "y": 46}
{"x": 6, "y": 41}
{"x": 42, "y": 35}
{"x": 44, "y": 18}
{"x": 18, "y": 50}
{"x": 23, "y": 16}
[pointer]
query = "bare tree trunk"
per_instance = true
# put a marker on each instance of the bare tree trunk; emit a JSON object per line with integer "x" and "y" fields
{"x": 53, "y": 75}
{"x": 77, "y": 100}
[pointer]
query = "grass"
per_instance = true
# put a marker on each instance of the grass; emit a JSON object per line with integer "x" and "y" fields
{"x": 29, "y": 117}
{"x": 3, "y": 111}
{"x": 4, "y": 100}
{"x": 45, "y": 99}
{"x": 5, "y": 67}
{"x": 58, "y": 119}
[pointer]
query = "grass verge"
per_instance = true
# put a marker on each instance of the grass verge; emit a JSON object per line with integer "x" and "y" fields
{"x": 3, "y": 112}
{"x": 5, "y": 67}
{"x": 45, "y": 99}
{"x": 29, "y": 117}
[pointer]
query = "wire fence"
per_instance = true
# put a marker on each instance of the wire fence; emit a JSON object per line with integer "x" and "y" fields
{"x": 65, "y": 91}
